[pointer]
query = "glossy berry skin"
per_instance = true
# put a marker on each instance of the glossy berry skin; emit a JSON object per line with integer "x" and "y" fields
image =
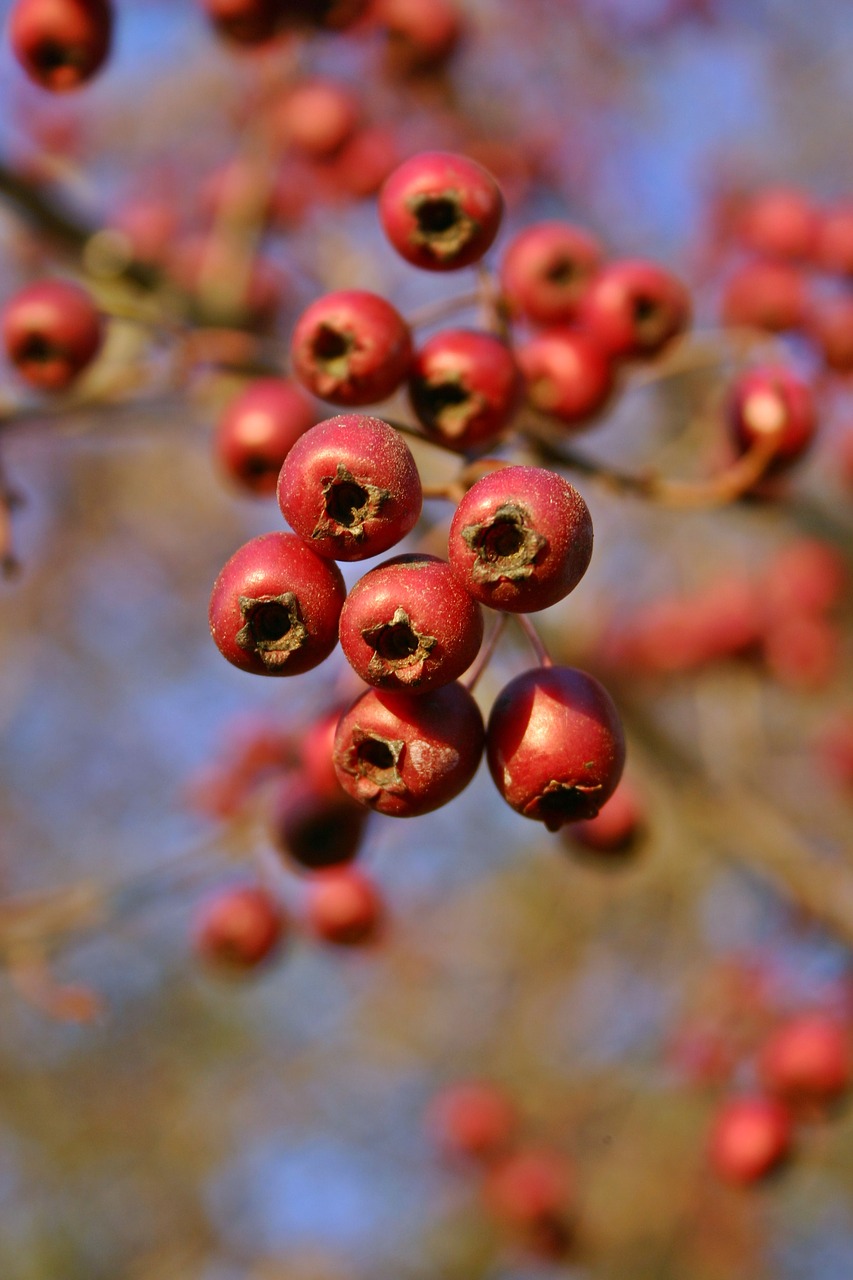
{"x": 568, "y": 374}
{"x": 51, "y": 332}
{"x": 780, "y": 222}
{"x": 555, "y": 745}
{"x": 351, "y": 347}
{"x": 635, "y": 309}
{"x": 618, "y": 827}
{"x": 350, "y": 487}
{"x": 313, "y": 829}
{"x": 409, "y": 625}
{"x": 464, "y": 388}
{"x": 61, "y": 43}
{"x": 404, "y": 755}
{"x": 344, "y": 907}
{"x": 474, "y": 1120}
{"x": 275, "y": 606}
{"x": 750, "y": 1137}
{"x": 440, "y": 211}
{"x": 521, "y": 539}
{"x": 240, "y": 928}
{"x": 257, "y": 431}
{"x": 771, "y": 400}
{"x": 807, "y": 1060}
{"x": 546, "y": 270}
{"x": 767, "y": 295}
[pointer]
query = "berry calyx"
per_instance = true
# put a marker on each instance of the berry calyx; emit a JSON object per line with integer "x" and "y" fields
{"x": 440, "y": 211}
{"x": 464, "y": 387}
{"x": 351, "y": 347}
{"x": 635, "y": 309}
{"x": 61, "y": 43}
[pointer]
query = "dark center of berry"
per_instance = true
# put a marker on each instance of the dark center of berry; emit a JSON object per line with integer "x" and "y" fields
{"x": 436, "y": 214}
{"x": 504, "y": 539}
{"x": 396, "y": 641}
{"x": 270, "y": 622}
{"x": 647, "y": 313}
{"x": 345, "y": 502}
{"x": 561, "y": 272}
{"x": 330, "y": 344}
{"x": 446, "y": 405}
{"x": 37, "y": 350}
{"x": 376, "y": 754}
{"x": 51, "y": 55}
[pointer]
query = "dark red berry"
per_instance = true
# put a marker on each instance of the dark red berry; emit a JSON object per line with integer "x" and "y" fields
{"x": 780, "y": 222}
{"x": 245, "y": 21}
{"x": 749, "y": 1138}
{"x": 618, "y": 827}
{"x": 350, "y": 487}
{"x": 344, "y": 907}
{"x": 474, "y": 1120}
{"x": 315, "y": 749}
{"x": 422, "y": 34}
{"x": 404, "y": 755}
{"x": 766, "y": 295}
{"x": 240, "y": 928}
{"x": 314, "y": 829}
{"x": 835, "y": 240}
{"x": 533, "y": 1192}
{"x": 567, "y": 373}
{"x": 807, "y": 1060}
{"x": 258, "y": 430}
{"x": 51, "y": 332}
{"x": 464, "y": 387}
{"x": 409, "y": 625}
{"x": 521, "y": 539}
{"x": 555, "y": 745}
{"x": 275, "y": 606}
{"x": 61, "y": 43}
{"x": 635, "y": 308}
{"x": 351, "y": 348}
{"x": 546, "y": 270}
{"x": 316, "y": 117}
{"x": 771, "y": 401}
{"x": 440, "y": 211}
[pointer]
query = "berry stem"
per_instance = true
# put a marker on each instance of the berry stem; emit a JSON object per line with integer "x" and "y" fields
{"x": 486, "y": 653}
{"x": 538, "y": 645}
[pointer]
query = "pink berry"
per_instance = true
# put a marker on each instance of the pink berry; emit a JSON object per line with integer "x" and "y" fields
{"x": 350, "y": 487}
{"x": 555, "y": 745}
{"x": 533, "y": 1191}
{"x": 52, "y": 331}
{"x": 240, "y": 928}
{"x": 344, "y": 907}
{"x": 521, "y": 539}
{"x": 750, "y": 1137}
{"x": 766, "y": 295}
{"x": 315, "y": 750}
{"x": 404, "y": 755}
{"x": 780, "y": 222}
{"x": 351, "y": 348}
{"x": 618, "y": 827}
{"x": 568, "y": 374}
{"x": 773, "y": 401}
{"x": 409, "y": 625}
{"x": 313, "y": 829}
{"x": 61, "y": 43}
{"x": 316, "y": 117}
{"x": 422, "y": 34}
{"x": 807, "y": 1060}
{"x": 464, "y": 387}
{"x": 805, "y": 576}
{"x": 440, "y": 211}
{"x": 275, "y": 606}
{"x": 831, "y": 326}
{"x": 474, "y": 1120}
{"x": 258, "y": 430}
{"x": 635, "y": 309}
{"x": 835, "y": 240}
{"x": 546, "y": 270}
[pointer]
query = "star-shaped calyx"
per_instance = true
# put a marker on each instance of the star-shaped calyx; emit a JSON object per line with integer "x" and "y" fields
{"x": 441, "y": 223}
{"x": 399, "y": 649}
{"x": 272, "y": 627}
{"x": 506, "y": 545}
{"x": 375, "y": 762}
{"x": 349, "y": 502}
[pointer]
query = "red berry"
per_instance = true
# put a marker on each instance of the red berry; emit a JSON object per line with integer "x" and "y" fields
{"x": 805, "y": 576}
{"x": 316, "y": 117}
{"x": 244, "y": 21}
{"x": 555, "y": 745}
{"x": 464, "y": 387}
{"x": 405, "y": 756}
{"x": 240, "y": 927}
{"x": 766, "y": 295}
{"x": 275, "y": 606}
{"x": 315, "y": 749}
{"x": 749, "y": 1138}
{"x": 351, "y": 347}
{"x": 533, "y": 1192}
{"x": 61, "y": 43}
{"x": 521, "y": 539}
{"x": 780, "y": 222}
{"x": 618, "y": 827}
{"x": 408, "y": 625}
{"x": 568, "y": 374}
{"x": 635, "y": 309}
{"x": 258, "y": 430}
{"x": 802, "y": 651}
{"x": 51, "y": 332}
{"x": 440, "y": 211}
{"x": 350, "y": 487}
{"x": 473, "y": 1120}
{"x": 831, "y": 327}
{"x": 313, "y": 829}
{"x": 773, "y": 401}
{"x": 807, "y": 1060}
{"x": 835, "y": 749}
{"x": 546, "y": 270}
{"x": 365, "y": 161}
{"x": 422, "y": 33}
{"x": 835, "y": 240}
{"x": 344, "y": 907}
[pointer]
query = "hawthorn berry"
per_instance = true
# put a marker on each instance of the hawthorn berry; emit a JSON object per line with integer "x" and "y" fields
{"x": 473, "y": 1120}
{"x": 275, "y": 606}
{"x": 404, "y": 755}
{"x": 807, "y": 1060}
{"x": 835, "y": 240}
{"x": 315, "y": 754}
{"x": 350, "y": 487}
{"x": 546, "y": 269}
{"x": 568, "y": 374}
{"x": 421, "y": 36}
{"x": 316, "y": 118}
{"x": 245, "y": 21}
{"x": 409, "y": 625}
{"x": 61, "y": 43}
{"x": 555, "y": 745}
{"x": 831, "y": 327}
{"x": 780, "y": 222}
{"x": 440, "y": 211}
{"x": 618, "y": 827}
{"x": 314, "y": 829}
{"x": 257, "y": 431}
{"x": 750, "y": 1137}
{"x": 533, "y": 1191}
{"x": 351, "y": 347}
{"x": 773, "y": 401}
{"x": 766, "y": 295}
{"x": 344, "y": 907}
{"x": 635, "y": 308}
{"x": 240, "y": 927}
{"x": 51, "y": 331}
{"x": 521, "y": 539}
{"x": 464, "y": 387}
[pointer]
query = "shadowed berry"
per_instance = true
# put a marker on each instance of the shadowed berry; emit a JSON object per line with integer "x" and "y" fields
{"x": 314, "y": 829}
{"x": 568, "y": 374}
{"x": 618, "y": 827}
{"x": 765, "y": 295}
{"x": 474, "y": 1120}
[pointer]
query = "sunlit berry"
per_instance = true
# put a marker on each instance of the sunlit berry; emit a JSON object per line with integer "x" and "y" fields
{"x": 61, "y": 43}
{"x": 257, "y": 431}
{"x": 351, "y": 347}
{"x": 464, "y": 386}
{"x": 750, "y": 1137}
{"x": 440, "y": 211}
